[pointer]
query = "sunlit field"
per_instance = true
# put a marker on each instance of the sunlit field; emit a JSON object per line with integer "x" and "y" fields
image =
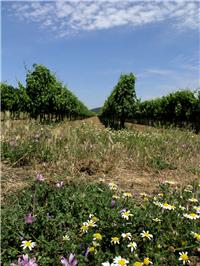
{"x": 100, "y": 133}
{"x": 76, "y": 193}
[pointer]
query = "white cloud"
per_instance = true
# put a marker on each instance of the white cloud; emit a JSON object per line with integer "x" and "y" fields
{"x": 191, "y": 67}
{"x": 162, "y": 72}
{"x": 65, "y": 17}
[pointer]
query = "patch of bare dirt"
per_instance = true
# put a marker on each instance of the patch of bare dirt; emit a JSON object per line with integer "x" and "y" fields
{"x": 138, "y": 181}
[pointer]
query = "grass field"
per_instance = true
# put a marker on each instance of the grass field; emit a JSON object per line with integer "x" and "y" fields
{"x": 86, "y": 157}
{"x": 136, "y": 159}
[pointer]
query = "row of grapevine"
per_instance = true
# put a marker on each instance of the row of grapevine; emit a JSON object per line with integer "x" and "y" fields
{"x": 180, "y": 108}
{"x": 121, "y": 104}
{"x": 44, "y": 97}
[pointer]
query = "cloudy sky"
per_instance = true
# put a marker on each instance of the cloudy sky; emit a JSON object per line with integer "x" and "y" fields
{"x": 89, "y": 43}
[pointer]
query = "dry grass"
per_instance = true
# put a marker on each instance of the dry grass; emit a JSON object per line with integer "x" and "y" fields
{"x": 137, "y": 160}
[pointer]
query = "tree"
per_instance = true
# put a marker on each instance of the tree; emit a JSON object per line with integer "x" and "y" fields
{"x": 41, "y": 87}
{"x": 121, "y": 104}
{"x": 49, "y": 96}
{"x": 178, "y": 108}
{"x": 195, "y": 113}
{"x": 24, "y": 100}
{"x": 9, "y": 99}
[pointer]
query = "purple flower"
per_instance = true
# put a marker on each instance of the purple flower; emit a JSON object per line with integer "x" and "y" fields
{"x": 64, "y": 261}
{"x": 29, "y": 219}
{"x": 123, "y": 210}
{"x": 61, "y": 184}
{"x": 113, "y": 203}
{"x": 71, "y": 261}
{"x": 25, "y": 261}
{"x": 86, "y": 252}
{"x": 39, "y": 177}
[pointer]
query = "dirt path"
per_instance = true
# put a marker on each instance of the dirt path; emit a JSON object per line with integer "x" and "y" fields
{"x": 93, "y": 121}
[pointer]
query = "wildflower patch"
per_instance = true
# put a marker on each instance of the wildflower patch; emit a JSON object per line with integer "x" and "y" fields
{"x": 78, "y": 224}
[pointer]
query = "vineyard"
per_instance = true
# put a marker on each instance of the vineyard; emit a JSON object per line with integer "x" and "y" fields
{"x": 180, "y": 108}
{"x": 80, "y": 189}
{"x": 44, "y": 97}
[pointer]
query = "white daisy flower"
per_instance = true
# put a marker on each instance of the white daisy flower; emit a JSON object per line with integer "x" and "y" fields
{"x": 28, "y": 244}
{"x": 146, "y": 234}
{"x": 132, "y": 245}
{"x": 127, "y": 236}
{"x": 119, "y": 261}
{"x": 191, "y": 216}
{"x": 126, "y": 214}
{"x": 193, "y": 200}
{"x": 115, "y": 240}
{"x": 167, "y": 206}
{"x": 184, "y": 257}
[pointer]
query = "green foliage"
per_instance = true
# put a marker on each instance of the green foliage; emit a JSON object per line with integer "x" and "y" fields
{"x": 14, "y": 100}
{"x": 18, "y": 152}
{"x": 120, "y": 105}
{"x": 160, "y": 164}
{"x": 58, "y": 211}
{"x": 49, "y": 96}
{"x": 178, "y": 108}
{"x": 44, "y": 96}
{"x": 21, "y": 152}
{"x": 67, "y": 104}
{"x": 41, "y": 86}
{"x": 9, "y": 98}
{"x": 24, "y": 99}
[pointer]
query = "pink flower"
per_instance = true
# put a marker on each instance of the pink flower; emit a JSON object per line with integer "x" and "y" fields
{"x": 39, "y": 177}
{"x": 29, "y": 219}
{"x": 25, "y": 261}
{"x": 71, "y": 261}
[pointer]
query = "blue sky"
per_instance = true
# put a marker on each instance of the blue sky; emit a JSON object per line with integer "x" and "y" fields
{"x": 89, "y": 43}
